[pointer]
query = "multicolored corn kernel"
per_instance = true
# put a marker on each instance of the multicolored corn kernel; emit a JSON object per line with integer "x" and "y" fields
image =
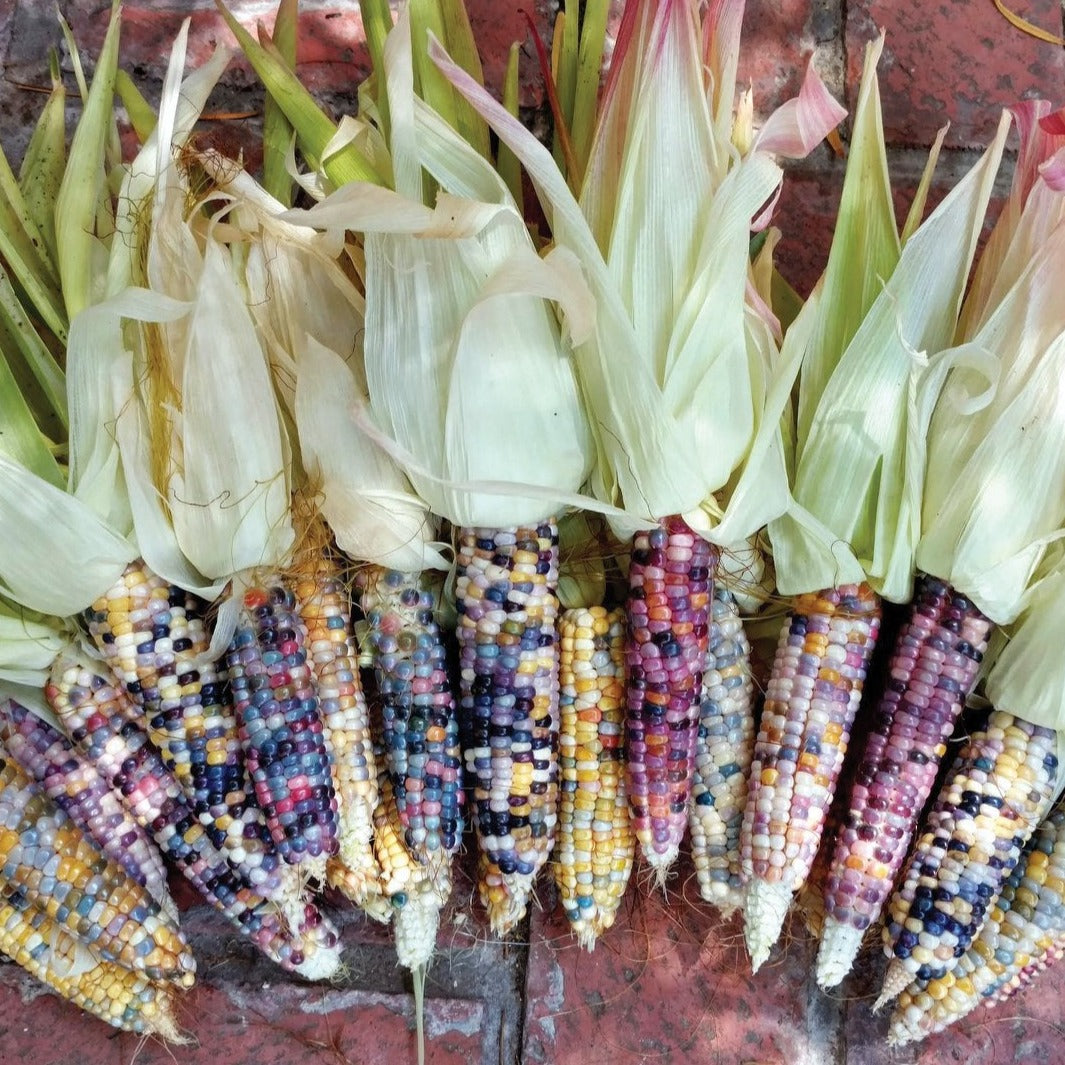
{"x": 103, "y": 722}
{"x": 154, "y": 637}
{"x": 420, "y": 723}
{"x": 934, "y": 666}
{"x": 813, "y": 694}
{"x": 507, "y": 610}
{"x": 75, "y": 786}
{"x": 281, "y": 729}
{"x": 724, "y": 747}
{"x": 58, "y": 870}
{"x": 999, "y": 788}
{"x": 417, "y": 890}
{"x": 670, "y": 589}
{"x": 123, "y": 998}
{"x": 1024, "y": 930}
{"x": 323, "y": 606}
{"x": 595, "y": 849}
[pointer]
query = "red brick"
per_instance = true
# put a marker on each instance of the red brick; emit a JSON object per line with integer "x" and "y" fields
{"x": 806, "y": 216}
{"x": 669, "y": 984}
{"x": 955, "y": 60}
{"x": 270, "y": 1024}
{"x": 775, "y": 48}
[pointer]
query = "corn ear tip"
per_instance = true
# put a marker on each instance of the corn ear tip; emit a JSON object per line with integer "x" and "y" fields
{"x": 840, "y": 944}
{"x": 764, "y": 913}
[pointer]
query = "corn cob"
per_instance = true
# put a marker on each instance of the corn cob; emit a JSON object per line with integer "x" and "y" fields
{"x": 670, "y": 589}
{"x": 281, "y": 728}
{"x": 104, "y": 723}
{"x": 813, "y": 694}
{"x": 154, "y": 637}
{"x": 723, "y": 750}
{"x": 1024, "y": 928}
{"x": 420, "y": 725}
{"x": 75, "y": 786}
{"x": 934, "y": 667}
{"x": 507, "y": 607}
{"x": 416, "y": 890}
{"x": 46, "y": 858}
{"x": 595, "y": 848}
{"x": 999, "y": 788}
{"x": 123, "y": 998}
{"x": 322, "y": 604}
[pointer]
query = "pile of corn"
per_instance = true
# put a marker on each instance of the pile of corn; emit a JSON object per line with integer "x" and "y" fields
{"x": 279, "y": 672}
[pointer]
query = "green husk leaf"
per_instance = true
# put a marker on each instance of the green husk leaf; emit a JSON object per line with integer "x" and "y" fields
{"x": 377, "y": 23}
{"x": 75, "y": 55}
{"x": 142, "y": 117}
{"x": 39, "y": 361}
{"x": 506, "y": 162}
{"x": 586, "y": 91}
{"x": 462, "y": 45}
{"x": 565, "y": 54}
{"x": 426, "y": 20}
{"x": 860, "y": 472}
{"x": 314, "y": 129}
{"x": 784, "y": 300}
{"x": 58, "y": 556}
{"x": 20, "y": 436}
{"x": 865, "y": 247}
{"x": 25, "y": 251}
{"x": 41, "y": 172}
{"x": 84, "y": 181}
{"x": 277, "y": 130}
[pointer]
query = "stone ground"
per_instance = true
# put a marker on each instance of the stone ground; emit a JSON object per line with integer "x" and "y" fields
{"x": 669, "y": 984}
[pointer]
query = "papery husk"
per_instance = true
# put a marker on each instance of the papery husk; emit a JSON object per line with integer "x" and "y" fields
{"x": 995, "y": 486}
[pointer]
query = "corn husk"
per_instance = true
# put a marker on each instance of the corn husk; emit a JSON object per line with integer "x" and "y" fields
{"x": 1020, "y": 224}
{"x": 469, "y": 382}
{"x": 172, "y": 363}
{"x": 995, "y": 486}
{"x": 861, "y": 463}
{"x": 674, "y": 381}
{"x": 1027, "y": 677}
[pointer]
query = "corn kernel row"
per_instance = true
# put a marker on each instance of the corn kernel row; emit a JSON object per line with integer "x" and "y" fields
{"x": 281, "y": 729}
{"x": 323, "y": 607}
{"x": 668, "y": 608}
{"x": 1025, "y": 927}
{"x": 47, "y": 859}
{"x": 75, "y": 786}
{"x": 507, "y": 612}
{"x": 814, "y": 690}
{"x": 420, "y": 731}
{"x": 123, "y": 998}
{"x": 416, "y": 890}
{"x": 594, "y": 853}
{"x": 154, "y": 637}
{"x": 102, "y": 721}
{"x": 724, "y": 748}
{"x": 1000, "y": 786}
{"x": 934, "y": 665}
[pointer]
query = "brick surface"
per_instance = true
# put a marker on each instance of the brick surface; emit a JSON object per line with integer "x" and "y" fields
{"x": 779, "y": 39}
{"x": 953, "y": 60}
{"x": 670, "y": 984}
